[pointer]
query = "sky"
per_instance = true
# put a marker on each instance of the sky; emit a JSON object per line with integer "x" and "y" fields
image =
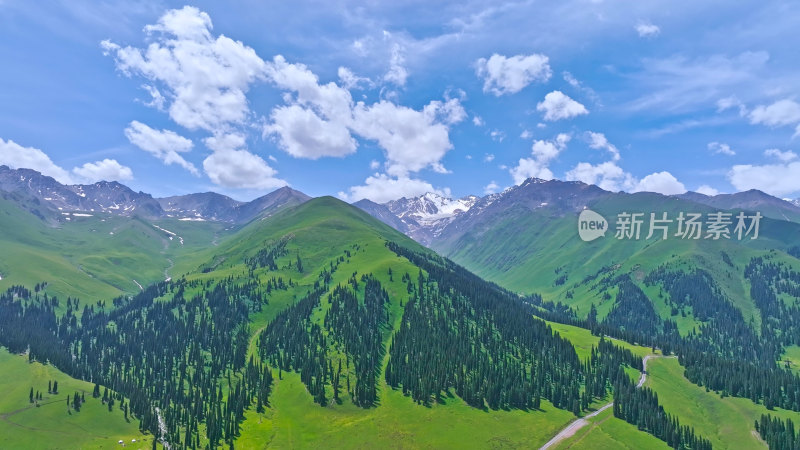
{"x": 382, "y": 100}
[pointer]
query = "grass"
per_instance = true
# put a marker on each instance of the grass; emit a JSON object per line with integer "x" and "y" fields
{"x": 296, "y": 422}
{"x": 97, "y": 257}
{"x": 50, "y": 425}
{"x": 791, "y": 355}
{"x": 584, "y": 340}
{"x": 606, "y": 432}
{"x": 727, "y": 422}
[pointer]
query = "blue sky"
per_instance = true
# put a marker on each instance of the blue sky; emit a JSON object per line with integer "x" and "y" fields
{"x": 380, "y": 100}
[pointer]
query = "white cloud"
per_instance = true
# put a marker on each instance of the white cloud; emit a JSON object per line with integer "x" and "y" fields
{"x": 18, "y": 157}
{"x": 509, "y": 75}
{"x": 720, "y": 148}
{"x": 303, "y": 134}
{"x": 105, "y": 170}
{"x": 381, "y": 188}
{"x": 374, "y": 164}
{"x": 397, "y": 73}
{"x": 320, "y": 119}
{"x": 782, "y": 156}
{"x": 774, "y": 179}
{"x": 478, "y": 121}
{"x": 781, "y": 113}
{"x": 448, "y": 112}
{"x": 647, "y": 29}
{"x": 526, "y": 134}
{"x": 349, "y": 80}
{"x": 206, "y": 78}
{"x": 411, "y": 139}
{"x": 163, "y": 144}
{"x": 497, "y": 135}
{"x": 607, "y": 175}
{"x": 488, "y": 158}
{"x": 600, "y": 142}
{"x": 556, "y": 106}
{"x": 727, "y": 103}
{"x": 490, "y": 188}
{"x": 240, "y": 169}
{"x": 660, "y": 182}
{"x": 542, "y": 152}
{"x": 707, "y": 190}
{"x": 157, "y": 100}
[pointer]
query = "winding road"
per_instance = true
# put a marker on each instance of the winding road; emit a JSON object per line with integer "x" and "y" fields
{"x": 581, "y": 422}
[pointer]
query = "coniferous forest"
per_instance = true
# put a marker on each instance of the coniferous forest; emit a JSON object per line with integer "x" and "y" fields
{"x": 176, "y": 355}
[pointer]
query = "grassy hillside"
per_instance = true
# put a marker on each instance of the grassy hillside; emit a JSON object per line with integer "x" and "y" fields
{"x": 540, "y": 251}
{"x": 322, "y": 230}
{"x": 606, "y": 432}
{"x": 726, "y": 421}
{"x": 94, "y": 257}
{"x": 23, "y": 425}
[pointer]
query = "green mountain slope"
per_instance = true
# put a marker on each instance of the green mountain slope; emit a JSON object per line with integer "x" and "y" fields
{"x": 320, "y": 326}
{"x": 540, "y": 251}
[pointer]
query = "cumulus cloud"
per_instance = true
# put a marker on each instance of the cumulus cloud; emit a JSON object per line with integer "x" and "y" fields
{"x": 321, "y": 120}
{"x": 304, "y": 134}
{"x": 490, "y": 188}
{"x": 105, "y": 170}
{"x": 478, "y": 121}
{"x": 774, "y": 179}
{"x": 411, "y": 139}
{"x": 542, "y": 153}
{"x": 206, "y": 78}
{"x": 557, "y": 106}
{"x": 607, "y": 175}
{"x": 660, "y": 182}
{"x": 489, "y": 157}
{"x": 165, "y": 145}
{"x": 509, "y": 75}
{"x": 240, "y": 169}
{"x": 720, "y": 148}
{"x": 784, "y": 156}
{"x": 525, "y": 135}
{"x": 600, "y": 142}
{"x": 18, "y": 157}
{"x": 781, "y": 113}
{"x": 707, "y": 190}
{"x": 647, "y": 29}
{"x": 381, "y": 188}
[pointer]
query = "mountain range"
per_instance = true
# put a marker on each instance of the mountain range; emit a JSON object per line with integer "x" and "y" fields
{"x": 288, "y": 316}
{"x": 118, "y": 199}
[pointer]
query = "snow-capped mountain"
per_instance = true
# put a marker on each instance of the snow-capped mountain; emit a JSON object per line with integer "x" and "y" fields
{"x": 428, "y": 214}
